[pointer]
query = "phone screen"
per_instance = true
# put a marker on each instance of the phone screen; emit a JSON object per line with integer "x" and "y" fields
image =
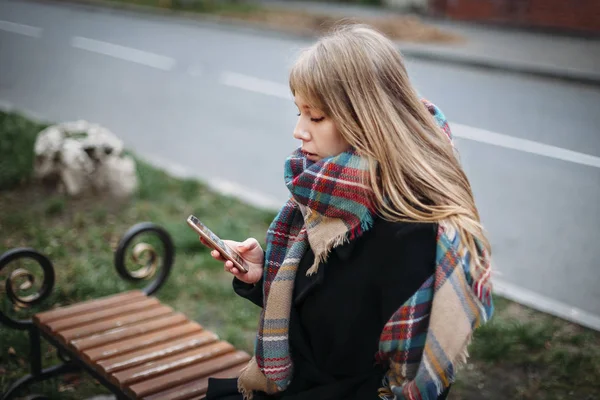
{"x": 217, "y": 241}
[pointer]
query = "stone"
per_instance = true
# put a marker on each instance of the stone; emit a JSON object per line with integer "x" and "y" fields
{"x": 79, "y": 157}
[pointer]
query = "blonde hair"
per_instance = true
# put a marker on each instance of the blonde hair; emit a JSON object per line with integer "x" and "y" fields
{"x": 356, "y": 76}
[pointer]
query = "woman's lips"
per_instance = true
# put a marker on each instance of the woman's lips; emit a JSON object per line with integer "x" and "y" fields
{"x": 309, "y": 154}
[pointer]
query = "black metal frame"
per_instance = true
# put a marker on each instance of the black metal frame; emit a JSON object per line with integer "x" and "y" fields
{"x": 73, "y": 363}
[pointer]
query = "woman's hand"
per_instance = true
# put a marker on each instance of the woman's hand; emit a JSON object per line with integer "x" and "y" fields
{"x": 250, "y": 251}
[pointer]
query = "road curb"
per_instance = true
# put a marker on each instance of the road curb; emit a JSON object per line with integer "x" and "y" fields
{"x": 427, "y": 54}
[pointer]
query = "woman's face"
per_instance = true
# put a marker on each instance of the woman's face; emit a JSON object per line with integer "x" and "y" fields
{"x": 318, "y": 133}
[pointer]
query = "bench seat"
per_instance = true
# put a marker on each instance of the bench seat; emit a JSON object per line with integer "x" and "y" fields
{"x": 142, "y": 346}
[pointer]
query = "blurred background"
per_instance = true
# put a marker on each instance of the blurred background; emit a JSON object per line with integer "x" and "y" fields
{"x": 195, "y": 92}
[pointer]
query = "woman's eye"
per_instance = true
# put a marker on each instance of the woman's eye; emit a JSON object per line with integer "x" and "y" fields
{"x": 313, "y": 119}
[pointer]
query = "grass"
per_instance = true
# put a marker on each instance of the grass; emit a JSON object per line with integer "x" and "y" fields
{"x": 524, "y": 354}
{"x": 16, "y": 149}
{"x": 521, "y": 354}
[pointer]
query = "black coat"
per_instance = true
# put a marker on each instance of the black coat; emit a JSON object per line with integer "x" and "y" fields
{"x": 339, "y": 312}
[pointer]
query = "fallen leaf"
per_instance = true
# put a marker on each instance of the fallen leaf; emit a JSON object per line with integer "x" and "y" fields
{"x": 71, "y": 379}
{"x": 65, "y": 388}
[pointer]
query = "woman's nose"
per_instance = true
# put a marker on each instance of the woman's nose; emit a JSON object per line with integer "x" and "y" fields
{"x": 301, "y": 134}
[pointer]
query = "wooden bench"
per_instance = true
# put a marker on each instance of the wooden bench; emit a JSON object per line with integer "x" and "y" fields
{"x": 133, "y": 344}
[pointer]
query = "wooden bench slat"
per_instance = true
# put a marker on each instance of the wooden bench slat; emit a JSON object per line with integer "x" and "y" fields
{"x": 196, "y": 371}
{"x": 169, "y": 364}
{"x": 106, "y": 313}
{"x": 196, "y": 388}
{"x": 121, "y": 333}
{"x": 137, "y": 343}
{"x": 102, "y": 326}
{"x": 87, "y": 306}
{"x": 171, "y": 345}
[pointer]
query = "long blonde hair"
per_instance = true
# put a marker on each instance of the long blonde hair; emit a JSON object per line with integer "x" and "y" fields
{"x": 356, "y": 76}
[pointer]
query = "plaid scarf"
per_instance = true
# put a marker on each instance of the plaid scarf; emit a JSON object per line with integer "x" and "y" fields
{"x": 427, "y": 337}
{"x": 329, "y": 205}
{"x": 424, "y": 339}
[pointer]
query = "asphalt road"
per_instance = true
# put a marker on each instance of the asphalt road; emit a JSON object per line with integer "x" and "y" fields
{"x": 211, "y": 101}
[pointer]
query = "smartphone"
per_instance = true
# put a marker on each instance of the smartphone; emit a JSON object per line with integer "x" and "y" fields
{"x": 227, "y": 252}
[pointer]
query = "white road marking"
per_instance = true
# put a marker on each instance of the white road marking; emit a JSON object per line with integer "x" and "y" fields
{"x": 21, "y": 29}
{"x": 256, "y": 85}
{"x": 546, "y": 304}
{"x": 271, "y": 88}
{"x": 528, "y": 146}
{"x": 124, "y": 53}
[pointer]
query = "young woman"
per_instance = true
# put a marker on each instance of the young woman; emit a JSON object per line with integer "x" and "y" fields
{"x": 377, "y": 269}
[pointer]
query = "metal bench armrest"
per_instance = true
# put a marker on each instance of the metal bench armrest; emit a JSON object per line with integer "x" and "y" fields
{"x": 145, "y": 250}
{"x": 13, "y": 288}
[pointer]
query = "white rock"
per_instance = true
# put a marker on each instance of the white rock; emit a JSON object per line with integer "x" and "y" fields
{"x": 83, "y": 157}
{"x": 117, "y": 175}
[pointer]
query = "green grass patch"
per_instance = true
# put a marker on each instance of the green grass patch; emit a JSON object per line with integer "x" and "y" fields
{"x": 525, "y": 354}
{"x": 521, "y": 354}
{"x": 17, "y": 136}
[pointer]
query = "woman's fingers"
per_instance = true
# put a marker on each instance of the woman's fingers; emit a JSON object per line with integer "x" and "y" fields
{"x": 216, "y": 255}
{"x": 229, "y": 267}
{"x": 244, "y": 247}
{"x": 248, "y": 245}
